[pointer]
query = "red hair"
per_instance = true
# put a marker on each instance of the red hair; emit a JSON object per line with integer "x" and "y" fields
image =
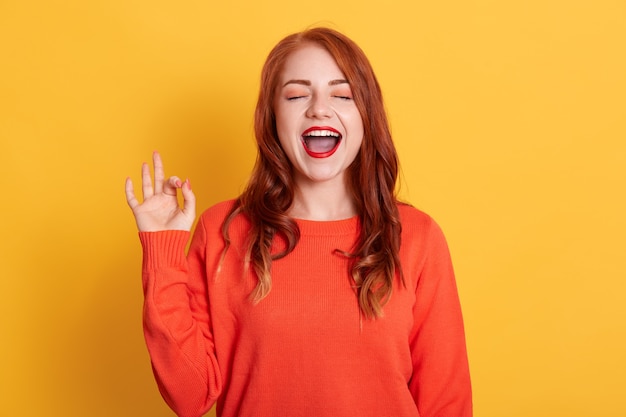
{"x": 371, "y": 178}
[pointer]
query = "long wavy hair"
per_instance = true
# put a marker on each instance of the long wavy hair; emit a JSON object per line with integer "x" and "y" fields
{"x": 371, "y": 179}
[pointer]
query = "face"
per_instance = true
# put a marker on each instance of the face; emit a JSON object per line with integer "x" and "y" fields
{"x": 318, "y": 124}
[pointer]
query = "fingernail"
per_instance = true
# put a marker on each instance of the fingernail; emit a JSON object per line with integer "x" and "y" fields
{"x": 179, "y": 184}
{"x": 188, "y": 183}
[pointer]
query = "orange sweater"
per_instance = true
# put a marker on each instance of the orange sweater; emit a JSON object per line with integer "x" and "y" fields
{"x": 303, "y": 350}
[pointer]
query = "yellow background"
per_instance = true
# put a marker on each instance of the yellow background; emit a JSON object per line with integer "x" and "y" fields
{"x": 509, "y": 116}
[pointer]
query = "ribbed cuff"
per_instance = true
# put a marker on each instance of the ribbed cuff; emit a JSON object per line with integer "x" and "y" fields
{"x": 163, "y": 249}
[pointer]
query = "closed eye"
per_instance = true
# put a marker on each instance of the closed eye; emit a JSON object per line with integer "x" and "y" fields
{"x": 343, "y": 97}
{"x": 295, "y": 97}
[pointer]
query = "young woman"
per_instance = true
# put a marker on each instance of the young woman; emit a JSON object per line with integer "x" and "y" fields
{"x": 315, "y": 293}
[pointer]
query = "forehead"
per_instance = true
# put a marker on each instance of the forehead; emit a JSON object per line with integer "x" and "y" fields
{"x": 311, "y": 62}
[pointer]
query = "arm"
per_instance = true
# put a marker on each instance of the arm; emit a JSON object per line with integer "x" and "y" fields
{"x": 176, "y": 319}
{"x": 441, "y": 383}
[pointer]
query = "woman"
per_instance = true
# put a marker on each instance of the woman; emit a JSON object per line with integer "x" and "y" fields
{"x": 315, "y": 293}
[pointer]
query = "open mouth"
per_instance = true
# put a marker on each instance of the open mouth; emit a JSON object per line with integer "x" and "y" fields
{"x": 321, "y": 142}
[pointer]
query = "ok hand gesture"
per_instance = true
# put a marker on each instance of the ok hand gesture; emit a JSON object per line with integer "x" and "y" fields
{"x": 160, "y": 209}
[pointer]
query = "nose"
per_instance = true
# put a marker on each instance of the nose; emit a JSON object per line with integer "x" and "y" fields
{"x": 319, "y": 108}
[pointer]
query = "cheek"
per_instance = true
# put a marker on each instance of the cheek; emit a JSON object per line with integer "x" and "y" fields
{"x": 356, "y": 125}
{"x": 352, "y": 115}
{"x": 281, "y": 122}
{"x": 285, "y": 131}
{"x": 284, "y": 117}
{"x": 355, "y": 138}
{"x": 356, "y": 134}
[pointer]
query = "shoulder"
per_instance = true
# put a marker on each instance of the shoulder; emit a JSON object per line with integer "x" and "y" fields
{"x": 422, "y": 241}
{"x": 212, "y": 219}
{"x": 218, "y": 212}
{"x": 418, "y": 226}
{"x": 413, "y": 218}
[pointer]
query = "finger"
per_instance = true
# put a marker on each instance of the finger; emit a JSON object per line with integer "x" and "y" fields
{"x": 159, "y": 173}
{"x": 189, "y": 200}
{"x": 146, "y": 182}
{"x": 171, "y": 186}
{"x": 130, "y": 194}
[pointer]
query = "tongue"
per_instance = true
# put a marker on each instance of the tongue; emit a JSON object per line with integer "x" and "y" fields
{"x": 320, "y": 144}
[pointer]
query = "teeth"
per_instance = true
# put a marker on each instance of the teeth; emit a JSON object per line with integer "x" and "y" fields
{"x": 323, "y": 133}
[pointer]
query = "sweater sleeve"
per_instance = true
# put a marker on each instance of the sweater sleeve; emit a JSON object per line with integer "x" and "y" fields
{"x": 176, "y": 320}
{"x": 440, "y": 383}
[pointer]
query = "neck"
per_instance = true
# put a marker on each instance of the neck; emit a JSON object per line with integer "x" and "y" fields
{"x": 322, "y": 202}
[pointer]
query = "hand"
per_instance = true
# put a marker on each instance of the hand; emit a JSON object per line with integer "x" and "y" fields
{"x": 160, "y": 209}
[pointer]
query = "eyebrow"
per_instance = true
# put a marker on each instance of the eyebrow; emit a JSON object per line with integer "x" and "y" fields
{"x": 308, "y": 83}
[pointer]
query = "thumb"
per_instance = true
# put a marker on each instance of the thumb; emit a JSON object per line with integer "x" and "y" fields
{"x": 189, "y": 200}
